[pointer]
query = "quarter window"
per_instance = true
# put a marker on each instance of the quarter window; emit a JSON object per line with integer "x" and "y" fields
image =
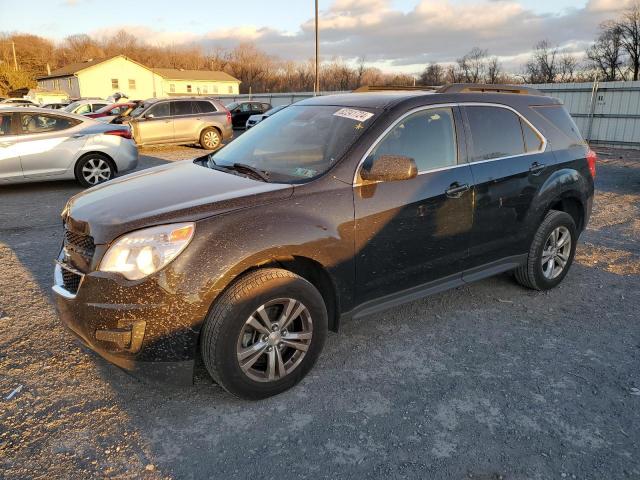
{"x": 203, "y": 107}
{"x": 495, "y": 133}
{"x": 429, "y": 137}
{"x": 114, "y": 83}
{"x": 561, "y": 119}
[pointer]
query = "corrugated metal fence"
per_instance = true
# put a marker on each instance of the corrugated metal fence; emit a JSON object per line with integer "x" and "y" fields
{"x": 607, "y": 113}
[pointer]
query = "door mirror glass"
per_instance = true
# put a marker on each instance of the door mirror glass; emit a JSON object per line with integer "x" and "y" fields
{"x": 390, "y": 168}
{"x": 149, "y": 116}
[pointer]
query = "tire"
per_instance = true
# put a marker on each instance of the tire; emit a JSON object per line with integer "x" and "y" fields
{"x": 210, "y": 139}
{"x": 227, "y": 336}
{"x": 538, "y": 273}
{"x": 94, "y": 168}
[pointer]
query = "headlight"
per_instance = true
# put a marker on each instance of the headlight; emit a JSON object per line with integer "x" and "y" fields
{"x": 143, "y": 252}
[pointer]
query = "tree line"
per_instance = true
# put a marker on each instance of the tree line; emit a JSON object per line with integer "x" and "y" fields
{"x": 614, "y": 55}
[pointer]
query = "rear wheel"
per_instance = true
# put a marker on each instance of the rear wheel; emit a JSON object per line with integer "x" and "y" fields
{"x": 551, "y": 252}
{"x": 264, "y": 334}
{"x": 94, "y": 168}
{"x": 210, "y": 139}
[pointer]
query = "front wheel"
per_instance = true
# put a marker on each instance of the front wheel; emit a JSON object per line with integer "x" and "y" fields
{"x": 264, "y": 333}
{"x": 94, "y": 168}
{"x": 551, "y": 253}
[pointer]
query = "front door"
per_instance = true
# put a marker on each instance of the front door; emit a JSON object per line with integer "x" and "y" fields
{"x": 10, "y": 168}
{"x": 155, "y": 125}
{"x": 417, "y": 231}
{"x": 509, "y": 166}
{"x": 48, "y": 143}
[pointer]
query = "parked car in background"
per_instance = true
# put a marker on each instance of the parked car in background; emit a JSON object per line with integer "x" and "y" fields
{"x": 256, "y": 119}
{"x": 339, "y": 206}
{"x": 181, "y": 121}
{"x": 56, "y": 106}
{"x": 241, "y": 111}
{"x": 16, "y": 102}
{"x": 40, "y": 144}
{"x": 83, "y": 107}
{"x": 108, "y": 113}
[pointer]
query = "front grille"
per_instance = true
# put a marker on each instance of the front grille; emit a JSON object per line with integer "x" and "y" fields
{"x": 70, "y": 280}
{"x": 79, "y": 242}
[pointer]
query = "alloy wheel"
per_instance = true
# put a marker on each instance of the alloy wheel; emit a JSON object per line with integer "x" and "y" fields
{"x": 556, "y": 251}
{"x": 211, "y": 139}
{"x": 274, "y": 340}
{"x": 96, "y": 170}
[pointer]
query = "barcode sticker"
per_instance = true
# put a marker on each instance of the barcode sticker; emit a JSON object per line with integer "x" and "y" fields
{"x": 357, "y": 115}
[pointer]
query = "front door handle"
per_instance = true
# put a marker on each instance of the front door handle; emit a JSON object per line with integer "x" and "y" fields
{"x": 456, "y": 190}
{"x": 536, "y": 168}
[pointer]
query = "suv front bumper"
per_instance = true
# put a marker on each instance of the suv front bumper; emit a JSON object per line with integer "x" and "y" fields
{"x": 156, "y": 341}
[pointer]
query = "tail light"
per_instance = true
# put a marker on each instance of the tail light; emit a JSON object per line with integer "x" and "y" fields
{"x": 591, "y": 161}
{"x": 228, "y": 117}
{"x": 120, "y": 133}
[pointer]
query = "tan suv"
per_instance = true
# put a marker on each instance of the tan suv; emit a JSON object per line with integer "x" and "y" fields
{"x": 181, "y": 121}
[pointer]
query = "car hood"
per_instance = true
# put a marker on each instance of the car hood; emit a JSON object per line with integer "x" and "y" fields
{"x": 177, "y": 192}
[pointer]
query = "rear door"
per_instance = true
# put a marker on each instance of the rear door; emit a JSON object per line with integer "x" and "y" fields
{"x": 10, "y": 168}
{"x": 415, "y": 232}
{"x": 509, "y": 165}
{"x": 155, "y": 125}
{"x": 184, "y": 121}
{"x": 48, "y": 143}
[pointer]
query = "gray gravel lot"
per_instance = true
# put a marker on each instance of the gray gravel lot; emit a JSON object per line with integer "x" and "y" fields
{"x": 484, "y": 381}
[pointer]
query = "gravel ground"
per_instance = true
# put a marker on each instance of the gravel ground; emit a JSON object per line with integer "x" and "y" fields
{"x": 486, "y": 381}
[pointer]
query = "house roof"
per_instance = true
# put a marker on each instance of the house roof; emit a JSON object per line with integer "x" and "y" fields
{"x": 168, "y": 73}
{"x": 179, "y": 74}
{"x": 74, "y": 68}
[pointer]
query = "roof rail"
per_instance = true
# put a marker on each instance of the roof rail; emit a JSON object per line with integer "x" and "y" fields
{"x": 485, "y": 88}
{"x": 386, "y": 88}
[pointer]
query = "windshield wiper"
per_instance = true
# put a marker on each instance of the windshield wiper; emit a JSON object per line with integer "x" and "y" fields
{"x": 243, "y": 167}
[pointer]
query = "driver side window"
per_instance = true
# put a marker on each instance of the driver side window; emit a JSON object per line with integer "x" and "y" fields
{"x": 160, "y": 110}
{"x": 428, "y": 137}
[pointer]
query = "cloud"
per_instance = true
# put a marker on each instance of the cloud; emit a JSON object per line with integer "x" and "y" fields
{"x": 433, "y": 31}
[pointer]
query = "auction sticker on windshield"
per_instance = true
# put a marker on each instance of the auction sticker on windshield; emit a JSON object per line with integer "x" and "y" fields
{"x": 357, "y": 115}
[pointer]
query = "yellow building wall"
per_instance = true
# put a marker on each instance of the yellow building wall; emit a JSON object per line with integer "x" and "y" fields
{"x": 96, "y": 81}
{"x": 199, "y": 87}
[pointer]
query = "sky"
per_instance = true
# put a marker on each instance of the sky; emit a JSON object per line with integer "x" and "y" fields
{"x": 395, "y": 35}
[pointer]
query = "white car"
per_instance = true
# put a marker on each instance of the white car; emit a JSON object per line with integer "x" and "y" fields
{"x": 83, "y": 107}
{"x": 38, "y": 144}
{"x": 253, "y": 120}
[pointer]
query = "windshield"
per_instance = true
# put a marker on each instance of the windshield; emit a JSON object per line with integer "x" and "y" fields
{"x": 298, "y": 144}
{"x": 139, "y": 109}
{"x": 72, "y": 106}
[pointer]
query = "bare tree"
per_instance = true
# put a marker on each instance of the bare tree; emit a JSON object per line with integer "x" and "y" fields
{"x": 567, "y": 66}
{"x": 630, "y": 37}
{"x": 494, "y": 71}
{"x": 433, "y": 74}
{"x": 606, "y": 55}
{"x": 473, "y": 65}
{"x": 543, "y": 65}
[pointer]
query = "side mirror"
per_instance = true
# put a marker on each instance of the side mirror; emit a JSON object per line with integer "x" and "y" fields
{"x": 149, "y": 116}
{"x": 390, "y": 168}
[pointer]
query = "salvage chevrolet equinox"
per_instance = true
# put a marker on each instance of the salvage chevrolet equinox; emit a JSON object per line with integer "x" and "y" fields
{"x": 337, "y": 207}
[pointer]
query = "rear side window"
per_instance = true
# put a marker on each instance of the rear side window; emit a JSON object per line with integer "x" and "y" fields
{"x": 495, "y": 133}
{"x": 203, "y": 107}
{"x": 561, "y": 119}
{"x": 39, "y": 123}
{"x": 182, "y": 108}
{"x": 429, "y": 137}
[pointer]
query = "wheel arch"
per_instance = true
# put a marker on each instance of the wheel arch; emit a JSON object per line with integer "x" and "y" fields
{"x": 94, "y": 152}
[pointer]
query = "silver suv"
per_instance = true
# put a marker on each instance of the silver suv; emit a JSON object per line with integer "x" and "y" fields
{"x": 181, "y": 121}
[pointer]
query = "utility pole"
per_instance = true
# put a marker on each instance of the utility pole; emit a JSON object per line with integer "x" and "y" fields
{"x": 15, "y": 60}
{"x": 316, "y": 83}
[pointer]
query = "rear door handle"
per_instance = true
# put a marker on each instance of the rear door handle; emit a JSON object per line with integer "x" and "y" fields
{"x": 456, "y": 190}
{"x": 536, "y": 168}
